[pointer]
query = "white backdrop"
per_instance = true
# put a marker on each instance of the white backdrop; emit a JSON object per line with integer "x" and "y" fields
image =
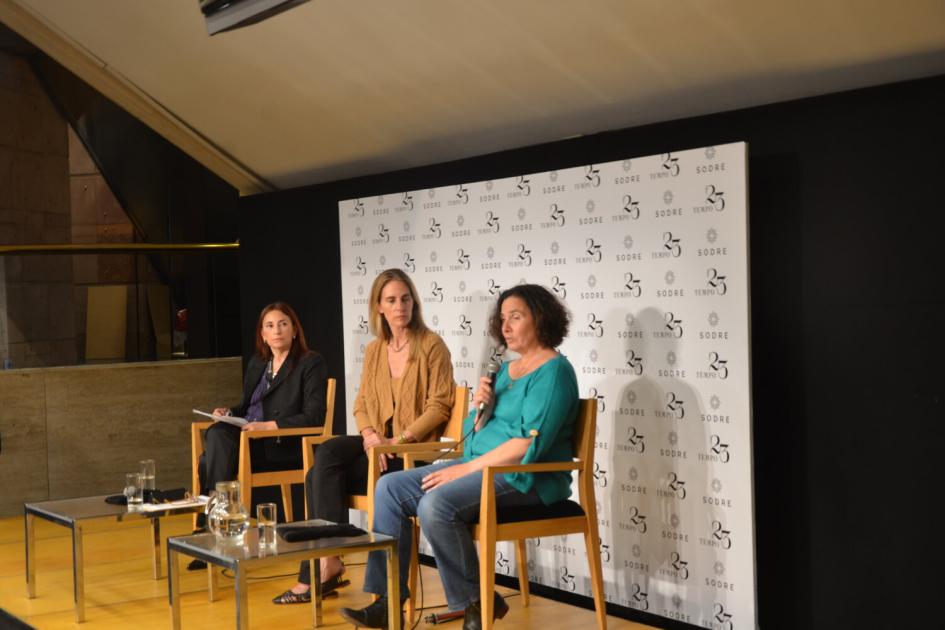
{"x": 651, "y": 256}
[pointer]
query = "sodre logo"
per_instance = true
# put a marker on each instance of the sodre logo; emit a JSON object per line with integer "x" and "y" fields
{"x": 435, "y": 229}
{"x": 715, "y": 197}
{"x": 680, "y": 566}
{"x": 671, "y": 244}
{"x": 722, "y": 536}
{"x": 524, "y": 255}
{"x": 632, "y": 285}
{"x": 604, "y": 551}
{"x": 502, "y": 564}
{"x": 595, "y": 327}
{"x": 600, "y": 476}
{"x": 673, "y": 325}
{"x": 675, "y": 405}
{"x": 716, "y": 281}
{"x": 638, "y": 598}
{"x": 493, "y": 287}
{"x": 559, "y": 287}
{"x": 557, "y": 215}
{"x": 567, "y": 580}
{"x": 492, "y": 223}
{"x": 436, "y": 291}
{"x": 670, "y": 164}
{"x": 718, "y": 365}
{"x": 592, "y": 175}
{"x": 634, "y": 363}
{"x": 383, "y": 233}
{"x": 637, "y": 440}
{"x": 722, "y": 618}
{"x": 719, "y": 449}
{"x": 677, "y": 485}
{"x": 462, "y": 258}
{"x": 410, "y": 263}
{"x": 631, "y": 207}
{"x": 637, "y": 520}
{"x": 523, "y": 185}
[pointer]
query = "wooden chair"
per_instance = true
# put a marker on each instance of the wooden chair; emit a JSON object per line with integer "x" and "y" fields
{"x": 250, "y": 479}
{"x": 365, "y": 502}
{"x": 565, "y": 517}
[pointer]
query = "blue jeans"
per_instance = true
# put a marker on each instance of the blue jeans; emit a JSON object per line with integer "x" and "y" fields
{"x": 445, "y": 513}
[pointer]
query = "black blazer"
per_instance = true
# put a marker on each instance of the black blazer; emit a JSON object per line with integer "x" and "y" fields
{"x": 295, "y": 399}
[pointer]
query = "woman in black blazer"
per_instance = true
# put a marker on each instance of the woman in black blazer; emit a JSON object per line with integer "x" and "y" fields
{"x": 283, "y": 388}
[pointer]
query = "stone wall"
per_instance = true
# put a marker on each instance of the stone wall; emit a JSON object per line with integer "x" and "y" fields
{"x": 74, "y": 431}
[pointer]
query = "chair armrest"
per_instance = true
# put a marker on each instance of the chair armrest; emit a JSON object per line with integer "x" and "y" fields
{"x": 491, "y": 471}
{"x": 413, "y": 447}
{"x": 271, "y": 433}
{"x": 411, "y": 459}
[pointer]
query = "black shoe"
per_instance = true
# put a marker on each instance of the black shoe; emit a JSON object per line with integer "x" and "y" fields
{"x": 473, "y": 617}
{"x": 373, "y": 616}
{"x": 196, "y": 565}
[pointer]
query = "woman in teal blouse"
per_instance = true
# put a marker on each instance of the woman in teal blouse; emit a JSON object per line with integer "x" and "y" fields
{"x": 528, "y": 417}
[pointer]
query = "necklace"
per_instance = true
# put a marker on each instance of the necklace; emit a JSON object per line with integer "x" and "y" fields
{"x": 391, "y": 347}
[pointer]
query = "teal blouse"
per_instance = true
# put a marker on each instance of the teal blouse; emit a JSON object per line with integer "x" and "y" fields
{"x": 544, "y": 400}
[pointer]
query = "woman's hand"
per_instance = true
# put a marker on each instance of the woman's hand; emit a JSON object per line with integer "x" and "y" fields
{"x": 373, "y": 438}
{"x": 444, "y": 476}
{"x": 483, "y": 395}
{"x": 261, "y": 425}
{"x": 221, "y": 411}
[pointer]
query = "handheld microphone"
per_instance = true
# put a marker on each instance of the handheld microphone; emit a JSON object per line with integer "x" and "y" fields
{"x": 491, "y": 370}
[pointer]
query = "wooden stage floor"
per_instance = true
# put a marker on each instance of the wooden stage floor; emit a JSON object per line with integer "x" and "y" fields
{"x": 120, "y": 592}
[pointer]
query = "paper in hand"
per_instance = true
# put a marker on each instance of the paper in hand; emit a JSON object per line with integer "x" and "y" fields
{"x": 238, "y": 422}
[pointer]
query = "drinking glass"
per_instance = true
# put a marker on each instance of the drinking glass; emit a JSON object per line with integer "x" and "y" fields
{"x": 266, "y": 520}
{"x": 147, "y": 473}
{"x": 134, "y": 490}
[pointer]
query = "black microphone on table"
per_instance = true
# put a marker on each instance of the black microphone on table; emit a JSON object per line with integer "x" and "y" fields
{"x": 491, "y": 370}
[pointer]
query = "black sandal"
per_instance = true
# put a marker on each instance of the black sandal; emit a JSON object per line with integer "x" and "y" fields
{"x": 329, "y": 589}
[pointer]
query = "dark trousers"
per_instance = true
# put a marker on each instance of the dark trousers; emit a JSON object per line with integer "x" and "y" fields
{"x": 340, "y": 469}
{"x": 220, "y": 459}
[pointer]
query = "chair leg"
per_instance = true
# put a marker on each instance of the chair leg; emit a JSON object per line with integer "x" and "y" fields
{"x": 597, "y": 578}
{"x": 521, "y": 561}
{"x": 487, "y": 579}
{"x": 412, "y": 573}
{"x": 287, "y": 502}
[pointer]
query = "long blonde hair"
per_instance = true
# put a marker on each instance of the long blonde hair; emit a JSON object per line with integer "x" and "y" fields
{"x": 378, "y": 323}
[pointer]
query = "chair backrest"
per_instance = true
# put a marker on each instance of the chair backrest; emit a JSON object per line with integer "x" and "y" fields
{"x": 329, "y": 406}
{"x": 585, "y": 427}
{"x": 454, "y": 426}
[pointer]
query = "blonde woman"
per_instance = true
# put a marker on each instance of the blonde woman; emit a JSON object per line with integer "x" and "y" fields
{"x": 406, "y": 395}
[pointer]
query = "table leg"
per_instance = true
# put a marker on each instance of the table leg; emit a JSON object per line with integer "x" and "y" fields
{"x": 156, "y": 542}
{"x": 242, "y": 606}
{"x": 316, "y": 587}
{"x": 173, "y": 587}
{"x": 393, "y": 587}
{"x": 29, "y": 522}
{"x": 211, "y": 582}
{"x": 78, "y": 573}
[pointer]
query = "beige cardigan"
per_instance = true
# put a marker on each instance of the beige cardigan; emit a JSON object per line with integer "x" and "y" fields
{"x": 426, "y": 390}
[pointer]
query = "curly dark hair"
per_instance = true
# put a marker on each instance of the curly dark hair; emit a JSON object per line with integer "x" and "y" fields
{"x": 551, "y": 316}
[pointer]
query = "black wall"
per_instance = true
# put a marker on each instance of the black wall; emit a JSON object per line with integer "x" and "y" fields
{"x": 848, "y": 303}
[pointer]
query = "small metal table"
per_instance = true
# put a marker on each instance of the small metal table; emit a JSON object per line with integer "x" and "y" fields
{"x": 239, "y": 558}
{"x": 72, "y": 513}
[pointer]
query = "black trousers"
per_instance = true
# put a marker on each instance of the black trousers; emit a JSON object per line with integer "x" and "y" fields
{"x": 220, "y": 459}
{"x": 340, "y": 469}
